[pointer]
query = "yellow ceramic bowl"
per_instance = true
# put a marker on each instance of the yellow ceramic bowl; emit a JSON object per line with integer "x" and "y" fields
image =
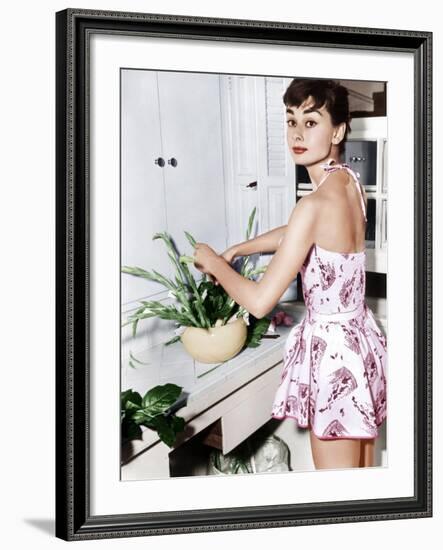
{"x": 215, "y": 344}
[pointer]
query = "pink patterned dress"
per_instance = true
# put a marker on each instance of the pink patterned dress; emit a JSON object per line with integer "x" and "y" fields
{"x": 335, "y": 359}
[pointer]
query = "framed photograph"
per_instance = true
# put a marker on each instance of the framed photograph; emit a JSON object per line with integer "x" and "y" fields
{"x": 187, "y": 150}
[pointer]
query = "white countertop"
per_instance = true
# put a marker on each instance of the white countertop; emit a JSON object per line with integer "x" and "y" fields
{"x": 172, "y": 364}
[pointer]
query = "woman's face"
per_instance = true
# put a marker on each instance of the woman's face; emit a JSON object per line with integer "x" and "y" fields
{"x": 310, "y": 133}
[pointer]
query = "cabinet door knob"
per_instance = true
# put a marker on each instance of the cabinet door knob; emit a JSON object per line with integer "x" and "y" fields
{"x": 252, "y": 184}
{"x": 160, "y": 161}
{"x": 172, "y": 161}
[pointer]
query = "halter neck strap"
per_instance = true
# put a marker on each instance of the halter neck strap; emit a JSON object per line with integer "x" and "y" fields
{"x": 332, "y": 166}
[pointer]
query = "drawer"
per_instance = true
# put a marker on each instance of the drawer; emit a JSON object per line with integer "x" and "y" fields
{"x": 252, "y": 410}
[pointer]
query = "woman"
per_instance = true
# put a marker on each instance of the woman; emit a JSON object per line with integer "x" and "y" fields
{"x": 333, "y": 380}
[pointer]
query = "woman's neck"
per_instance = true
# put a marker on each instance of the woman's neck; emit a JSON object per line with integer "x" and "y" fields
{"x": 317, "y": 172}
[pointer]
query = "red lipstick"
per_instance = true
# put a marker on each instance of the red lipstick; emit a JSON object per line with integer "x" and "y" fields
{"x": 299, "y": 150}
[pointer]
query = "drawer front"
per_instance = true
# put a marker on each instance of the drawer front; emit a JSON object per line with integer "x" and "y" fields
{"x": 252, "y": 410}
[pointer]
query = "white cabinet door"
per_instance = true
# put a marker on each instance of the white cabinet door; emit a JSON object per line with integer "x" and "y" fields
{"x": 143, "y": 211}
{"x": 167, "y": 116}
{"x": 192, "y": 143}
{"x": 240, "y": 153}
{"x": 276, "y": 169}
{"x": 170, "y": 116}
{"x": 259, "y": 169}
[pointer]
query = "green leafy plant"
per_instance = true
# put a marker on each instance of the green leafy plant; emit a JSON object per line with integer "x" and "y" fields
{"x": 203, "y": 304}
{"x": 151, "y": 411}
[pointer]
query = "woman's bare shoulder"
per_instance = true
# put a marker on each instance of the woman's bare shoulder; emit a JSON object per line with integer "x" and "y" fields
{"x": 305, "y": 211}
{"x": 338, "y": 178}
{"x": 307, "y": 204}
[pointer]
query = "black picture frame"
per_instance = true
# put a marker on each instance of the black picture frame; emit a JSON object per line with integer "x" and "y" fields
{"x": 74, "y": 28}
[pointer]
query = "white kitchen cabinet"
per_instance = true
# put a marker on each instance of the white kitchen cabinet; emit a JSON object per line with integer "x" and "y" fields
{"x": 259, "y": 170}
{"x": 240, "y": 153}
{"x": 143, "y": 206}
{"x": 172, "y": 178}
{"x": 229, "y": 400}
{"x": 198, "y": 153}
{"x": 276, "y": 168}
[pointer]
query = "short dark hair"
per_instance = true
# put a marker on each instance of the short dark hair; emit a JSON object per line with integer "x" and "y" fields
{"x": 324, "y": 92}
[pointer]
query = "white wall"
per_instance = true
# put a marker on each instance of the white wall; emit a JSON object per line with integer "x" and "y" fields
{"x": 27, "y": 227}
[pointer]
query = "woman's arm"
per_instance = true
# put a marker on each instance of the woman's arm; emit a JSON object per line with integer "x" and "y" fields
{"x": 267, "y": 242}
{"x": 261, "y": 297}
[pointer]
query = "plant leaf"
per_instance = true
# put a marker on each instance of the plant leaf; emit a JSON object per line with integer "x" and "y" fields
{"x": 160, "y": 398}
{"x": 250, "y": 222}
{"x": 177, "y": 423}
{"x": 131, "y": 355}
{"x": 191, "y": 239}
{"x": 134, "y": 328}
{"x": 131, "y": 397}
{"x": 164, "y": 429}
{"x": 172, "y": 340}
{"x": 257, "y": 328}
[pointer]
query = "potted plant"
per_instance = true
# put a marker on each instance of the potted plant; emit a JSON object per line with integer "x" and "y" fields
{"x": 211, "y": 326}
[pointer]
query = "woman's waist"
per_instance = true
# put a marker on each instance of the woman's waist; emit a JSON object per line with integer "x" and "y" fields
{"x": 326, "y": 315}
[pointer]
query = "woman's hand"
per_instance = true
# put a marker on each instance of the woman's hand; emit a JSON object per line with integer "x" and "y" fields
{"x": 204, "y": 256}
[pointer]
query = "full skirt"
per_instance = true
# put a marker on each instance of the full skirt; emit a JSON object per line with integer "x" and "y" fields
{"x": 334, "y": 378}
